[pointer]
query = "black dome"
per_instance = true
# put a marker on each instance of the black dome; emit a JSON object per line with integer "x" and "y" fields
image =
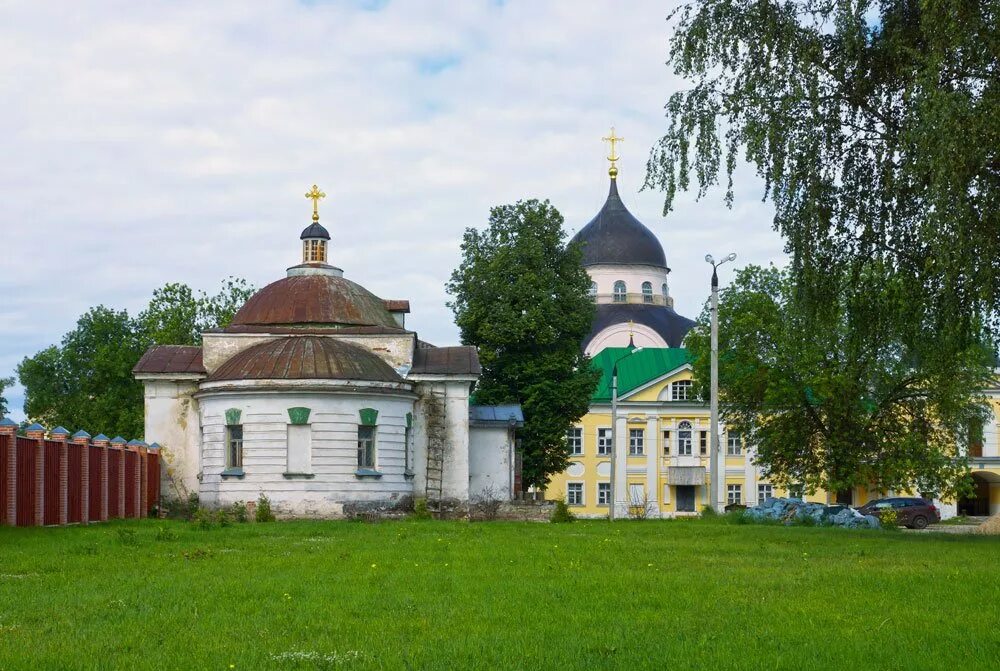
{"x": 615, "y": 236}
{"x": 314, "y": 230}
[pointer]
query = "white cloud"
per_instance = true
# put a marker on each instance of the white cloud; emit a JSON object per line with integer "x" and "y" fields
{"x": 151, "y": 142}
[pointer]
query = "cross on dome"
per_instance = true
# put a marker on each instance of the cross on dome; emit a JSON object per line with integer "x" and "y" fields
{"x": 613, "y": 157}
{"x": 316, "y": 195}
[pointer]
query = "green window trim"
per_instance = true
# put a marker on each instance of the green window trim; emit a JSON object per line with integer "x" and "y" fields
{"x": 369, "y": 416}
{"x": 299, "y": 415}
{"x": 233, "y": 416}
{"x": 409, "y": 420}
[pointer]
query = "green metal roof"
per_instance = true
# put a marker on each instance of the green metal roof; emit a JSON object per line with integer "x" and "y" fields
{"x": 635, "y": 370}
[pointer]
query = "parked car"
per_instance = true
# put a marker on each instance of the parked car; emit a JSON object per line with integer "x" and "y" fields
{"x": 911, "y": 511}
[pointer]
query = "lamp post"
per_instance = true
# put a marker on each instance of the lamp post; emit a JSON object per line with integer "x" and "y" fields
{"x": 716, "y": 463}
{"x": 614, "y": 427}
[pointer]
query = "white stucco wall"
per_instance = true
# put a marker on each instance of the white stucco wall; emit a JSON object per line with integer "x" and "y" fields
{"x": 617, "y": 335}
{"x": 490, "y": 454}
{"x": 171, "y": 419}
{"x": 605, "y": 277}
{"x": 334, "y": 421}
{"x": 454, "y": 394}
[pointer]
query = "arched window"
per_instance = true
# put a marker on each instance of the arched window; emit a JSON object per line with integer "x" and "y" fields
{"x": 666, "y": 294}
{"x": 593, "y": 289}
{"x": 619, "y": 294}
{"x": 684, "y": 439}
{"x": 647, "y": 292}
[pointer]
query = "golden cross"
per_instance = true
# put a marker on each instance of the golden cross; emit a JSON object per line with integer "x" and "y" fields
{"x": 613, "y": 140}
{"x": 315, "y": 195}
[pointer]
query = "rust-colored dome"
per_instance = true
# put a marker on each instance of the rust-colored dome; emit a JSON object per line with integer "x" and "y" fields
{"x": 314, "y": 299}
{"x": 305, "y": 358}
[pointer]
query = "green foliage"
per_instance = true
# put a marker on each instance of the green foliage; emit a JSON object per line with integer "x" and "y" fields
{"x": 263, "y": 512}
{"x": 238, "y": 512}
{"x": 889, "y": 518}
{"x": 420, "y": 509}
{"x": 86, "y": 382}
{"x": 561, "y": 512}
{"x": 5, "y": 382}
{"x": 177, "y": 508}
{"x": 875, "y": 127}
{"x": 861, "y": 394}
{"x": 521, "y": 296}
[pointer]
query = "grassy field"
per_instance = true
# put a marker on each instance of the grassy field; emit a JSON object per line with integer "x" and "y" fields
{"x": 450, "y": 595}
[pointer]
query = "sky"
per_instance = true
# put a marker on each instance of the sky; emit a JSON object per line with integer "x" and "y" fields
{"x": 154, "y": 142}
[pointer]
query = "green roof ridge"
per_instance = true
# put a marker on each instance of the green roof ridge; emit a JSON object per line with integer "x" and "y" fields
{"x": 635, "y": 370}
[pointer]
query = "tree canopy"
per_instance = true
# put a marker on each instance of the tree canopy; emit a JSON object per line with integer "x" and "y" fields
{"x": 521, "y": 296}
{"x": 862, "y": 397}
{"x": 5, "y": 382}
{"x": 875, "y": 125}
{"x": 86, "y": 381}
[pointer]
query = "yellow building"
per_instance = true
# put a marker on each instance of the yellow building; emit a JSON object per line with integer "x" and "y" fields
{"x": 662, "y": 435}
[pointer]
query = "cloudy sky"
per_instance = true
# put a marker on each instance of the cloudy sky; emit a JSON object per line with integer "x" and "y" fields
{"x": 152, "y": 142}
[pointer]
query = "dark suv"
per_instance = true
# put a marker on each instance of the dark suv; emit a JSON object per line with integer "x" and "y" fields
{"x": 912, "y": 512}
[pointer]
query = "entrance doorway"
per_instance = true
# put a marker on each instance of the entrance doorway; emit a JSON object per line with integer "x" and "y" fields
{"x": 978, "y": 504}
{"x": 685, "y": 498}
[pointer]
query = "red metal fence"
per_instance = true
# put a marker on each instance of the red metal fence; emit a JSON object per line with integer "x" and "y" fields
{"x": 57, "y": 481}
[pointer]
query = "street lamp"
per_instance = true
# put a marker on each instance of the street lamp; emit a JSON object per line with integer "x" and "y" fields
{"x": 614, "y": 425}
{"x": 715, "y": 458}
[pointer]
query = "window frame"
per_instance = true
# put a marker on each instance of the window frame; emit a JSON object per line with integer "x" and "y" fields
{"x": 760, "y": 491}
{"x": 231, "y": 461}
{"x": 603, "y": 488}
{"x": 729, "y": 445}
{"x": 371, "y": 451}
{"x": 575, "y": 486}
{"x": 676, "y": 387}
{"x": 647, "y": 292}
{"x": 604, "y": 439}
{"x": 666, "y": 442}
{"x": 734, "y": 489}
{"x": 636, "y": 442}
{"x": 702, "y": 442}
{"x": 619, "y": 292}
{"x": 575, "y": 442}
{"x": 685, "y": 427}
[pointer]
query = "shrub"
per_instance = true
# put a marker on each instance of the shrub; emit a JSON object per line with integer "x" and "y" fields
{"x": 239, "y": 513}
{"x": 486, "y": 506}
{"x": 263, "y": 512}
{"x": 889, "y": 518}
{"x": 561, "y": 512}
{"x": 708, "y": 511}
{"x": 127, "y": 537}
{"x": 420, "y": 510}
{"x": 204, "y": 519}
{"x": 182, "y": 509}
{"x": 165, "y": 534}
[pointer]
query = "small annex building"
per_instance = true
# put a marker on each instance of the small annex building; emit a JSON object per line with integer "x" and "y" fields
{"x": 318, "y": 396}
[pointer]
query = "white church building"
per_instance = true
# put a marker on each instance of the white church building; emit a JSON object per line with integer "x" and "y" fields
{"x": 319, "y": 397}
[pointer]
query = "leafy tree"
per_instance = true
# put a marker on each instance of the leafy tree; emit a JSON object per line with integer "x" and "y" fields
{"x": 5, "y": 382}
{"x": 521, "y": 297}
{"x": 876, "y": 127}
{"x": 863, "y": 396}
{"x": 86, "y": 381}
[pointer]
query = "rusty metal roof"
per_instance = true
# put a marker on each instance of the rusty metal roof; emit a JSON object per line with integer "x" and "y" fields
{"x": 312, "y": 329}
{"x": 397, "y": 305}
{"x": 306, "y": 358}
{"x": 314, "y": 299}
{"x": 446, "y": 361}
{"x": 170, "y": 359}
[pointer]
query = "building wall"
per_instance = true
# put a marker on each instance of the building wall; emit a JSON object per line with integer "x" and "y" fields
{"x": 490, "y": 455}
{"x": 172, "y": 420}
{"x": 605, "y": 277}
{"x": 394, "y": 349}
{"x": 333, "y": 420}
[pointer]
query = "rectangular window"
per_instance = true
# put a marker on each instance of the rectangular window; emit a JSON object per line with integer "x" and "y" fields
{"x": 603, "y": 493}
{"x": 299, "y": 458}
{"x": 703, "y": 442}
{"x": 574, "y": 438}
{"x": 734, "y": 494}
{"x": 635, "y": 439}
{"x": 574, "y": 493}
{"x": 366, "y": 447}
{"x": 680, "y": 391}
{"x": 734, "y": 446}
{"x": 604, "y": 442}
{"x": 666, "y": 442}
{"x": 796, "y": 492}
{"x": 764, "y": 492}
{"x": 684, "y": 443}
{"x": 234, "y": 446}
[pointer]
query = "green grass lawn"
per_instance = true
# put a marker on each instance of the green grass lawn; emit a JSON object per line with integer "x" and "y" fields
{"x": 451, "y": 595}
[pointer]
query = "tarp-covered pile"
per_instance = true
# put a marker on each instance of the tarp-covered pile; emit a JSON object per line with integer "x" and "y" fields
{"x": 790, "y": 511}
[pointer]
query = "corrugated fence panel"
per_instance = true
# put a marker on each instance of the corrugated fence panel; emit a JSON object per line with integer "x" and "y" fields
{"x": 5, "y": 441}
{"x": 52, "y": 473}
{"x": 94, "y": 509}
{"x": 114, "y": 468}
{"x": 131, "y": 473}
{"x": 153, "y": 480}
{"x": 26, "y": 487}
{"x": 74, "y": 492}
